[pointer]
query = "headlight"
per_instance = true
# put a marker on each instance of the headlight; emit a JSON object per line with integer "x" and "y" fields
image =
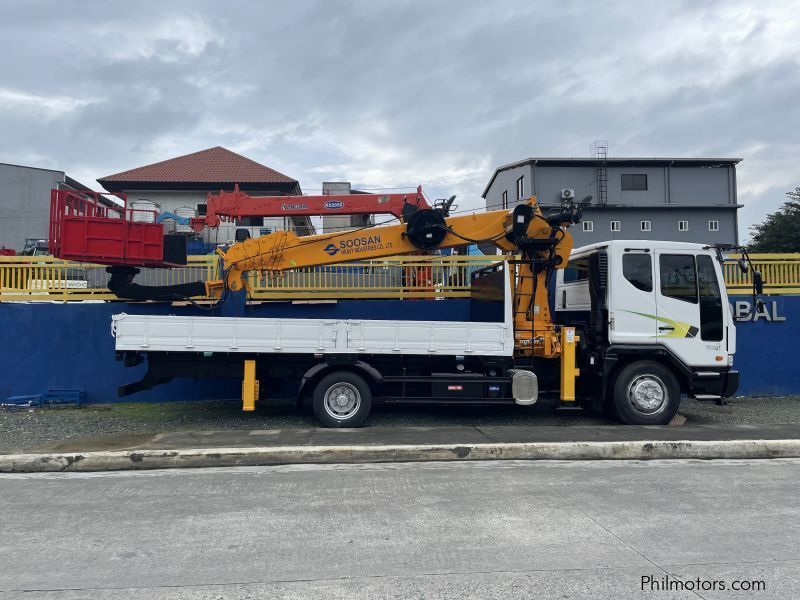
{"x": 730, "y": 360}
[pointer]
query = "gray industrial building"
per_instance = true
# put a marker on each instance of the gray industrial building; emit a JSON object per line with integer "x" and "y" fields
{"x": 339, "y": 223}
{"x": 25, "y": 202}
{"x": 680, "y": 199}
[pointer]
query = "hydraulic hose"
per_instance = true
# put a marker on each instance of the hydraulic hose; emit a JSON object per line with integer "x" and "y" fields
{"x": 121, "y": 285}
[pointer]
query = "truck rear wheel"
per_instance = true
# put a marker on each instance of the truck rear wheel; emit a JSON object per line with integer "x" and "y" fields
{"x": 342, "y": 399}
{"x": 646, "y": 393}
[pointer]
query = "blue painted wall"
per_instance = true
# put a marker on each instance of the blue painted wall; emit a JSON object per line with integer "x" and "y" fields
{"x": 70, "y": 345}
{"x": 766, "y": 347}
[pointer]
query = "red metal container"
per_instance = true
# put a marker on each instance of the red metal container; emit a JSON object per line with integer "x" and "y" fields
{"x": 94, "y": 227}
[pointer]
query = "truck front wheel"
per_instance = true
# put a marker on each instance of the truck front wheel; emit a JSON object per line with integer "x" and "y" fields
{"x": 646, "y": 393}
{"x": 342, "y": 399}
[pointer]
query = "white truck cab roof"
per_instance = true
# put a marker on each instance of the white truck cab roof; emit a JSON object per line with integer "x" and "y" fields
{"x": 640, "y": 245}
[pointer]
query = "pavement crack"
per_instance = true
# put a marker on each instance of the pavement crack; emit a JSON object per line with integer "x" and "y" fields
{"x": 317, "y": 579}
{"x": 486, "y": 435}
{"x": 619, "y": 539}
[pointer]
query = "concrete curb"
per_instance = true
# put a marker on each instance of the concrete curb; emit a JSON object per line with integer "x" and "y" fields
{"x": 228, "y": 457}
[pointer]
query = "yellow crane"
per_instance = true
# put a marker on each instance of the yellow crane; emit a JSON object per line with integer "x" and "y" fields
{"x": 542, "y": 241}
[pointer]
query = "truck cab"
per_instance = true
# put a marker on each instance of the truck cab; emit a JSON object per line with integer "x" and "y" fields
{"x": 35, "y": 247}
{"x": 655, "y": 323}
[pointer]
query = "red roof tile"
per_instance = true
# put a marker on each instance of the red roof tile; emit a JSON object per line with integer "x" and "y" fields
{"x": 214, "y": 165}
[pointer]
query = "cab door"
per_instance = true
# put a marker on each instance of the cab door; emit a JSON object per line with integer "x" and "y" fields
{"x": 689, "y": 307}
{"x": 633, "y": 298}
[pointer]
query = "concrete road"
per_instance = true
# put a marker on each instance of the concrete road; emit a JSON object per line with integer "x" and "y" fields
{"x": 433, "y": 530}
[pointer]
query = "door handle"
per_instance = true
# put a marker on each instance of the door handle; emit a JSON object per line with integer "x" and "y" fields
{"x": 667, "y": 328}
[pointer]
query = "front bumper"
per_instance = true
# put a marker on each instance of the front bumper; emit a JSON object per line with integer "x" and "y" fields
{"x": 731, "y": 384}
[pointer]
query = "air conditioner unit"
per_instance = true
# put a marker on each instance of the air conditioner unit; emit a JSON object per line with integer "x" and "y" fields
{"x": 567, "y": 194}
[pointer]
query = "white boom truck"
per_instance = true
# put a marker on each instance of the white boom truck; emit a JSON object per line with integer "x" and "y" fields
{"x": 638, "y": 324}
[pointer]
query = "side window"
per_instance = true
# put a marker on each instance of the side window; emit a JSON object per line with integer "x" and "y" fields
{"x": 678, "y": 277}
{"x": 633, "y": 182}
{"x": 638, "y": 270}
{"x": 577, "y": 270}
{"x": 710, "y": 300}
{"x": 250, "y": 222}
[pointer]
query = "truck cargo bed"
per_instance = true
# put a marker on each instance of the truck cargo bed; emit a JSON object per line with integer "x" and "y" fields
{"x": 149, "y": 333}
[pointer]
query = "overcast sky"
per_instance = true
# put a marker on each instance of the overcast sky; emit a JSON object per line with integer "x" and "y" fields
{"x": 400, "y": 93}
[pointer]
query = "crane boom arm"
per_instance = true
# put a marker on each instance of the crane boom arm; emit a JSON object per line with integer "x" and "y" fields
{"x": 543, "y": 242}
{"x": 424, "y": 230}
{"x": 229, "y": 206}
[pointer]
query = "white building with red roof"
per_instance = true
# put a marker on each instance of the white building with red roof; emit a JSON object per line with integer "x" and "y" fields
{"x": 184, "y": 181}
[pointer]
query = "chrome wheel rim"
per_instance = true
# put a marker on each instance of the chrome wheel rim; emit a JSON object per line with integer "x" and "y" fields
{"x": 342, "y": 401}
{"x": 647, "y": 394}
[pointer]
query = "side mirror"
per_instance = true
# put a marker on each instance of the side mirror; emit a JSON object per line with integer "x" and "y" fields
{"x": 447, "y": 205}
{"x": 758, "y": 283}
{"x": 742, "y": 265}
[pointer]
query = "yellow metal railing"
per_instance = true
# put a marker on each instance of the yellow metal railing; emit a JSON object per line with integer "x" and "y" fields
{"x": 396, "y": 277}
{"x": 781, "y": 273}
{"x": 44, "y": 278}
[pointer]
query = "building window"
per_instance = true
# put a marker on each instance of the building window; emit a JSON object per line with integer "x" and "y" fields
{"x": 634, "y": 182}
{"x": 202, "y": 209}
{"x": 713, "y": 225}
{"x": 588, "y": 225}
{"x": 616, "y": 226}
{"x": 505, "y": 199}
{"x": 683, "y": 225}
{"x": 520, "y": 188}
{"x": 646, "y": 226}
{"x": 250, "y": 222}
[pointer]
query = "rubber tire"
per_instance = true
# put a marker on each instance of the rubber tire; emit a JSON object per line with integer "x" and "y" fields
{"x": 622, "y": 409}
{"x": 357, "y": 420}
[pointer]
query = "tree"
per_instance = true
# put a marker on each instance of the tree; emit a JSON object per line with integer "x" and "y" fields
{"x": 780, "y": 231}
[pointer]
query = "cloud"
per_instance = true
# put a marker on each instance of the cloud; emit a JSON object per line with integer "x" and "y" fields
{"x": 169, "y": 40}
{"x": 50, "y": 107}
{"x": 403, "y": 93}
